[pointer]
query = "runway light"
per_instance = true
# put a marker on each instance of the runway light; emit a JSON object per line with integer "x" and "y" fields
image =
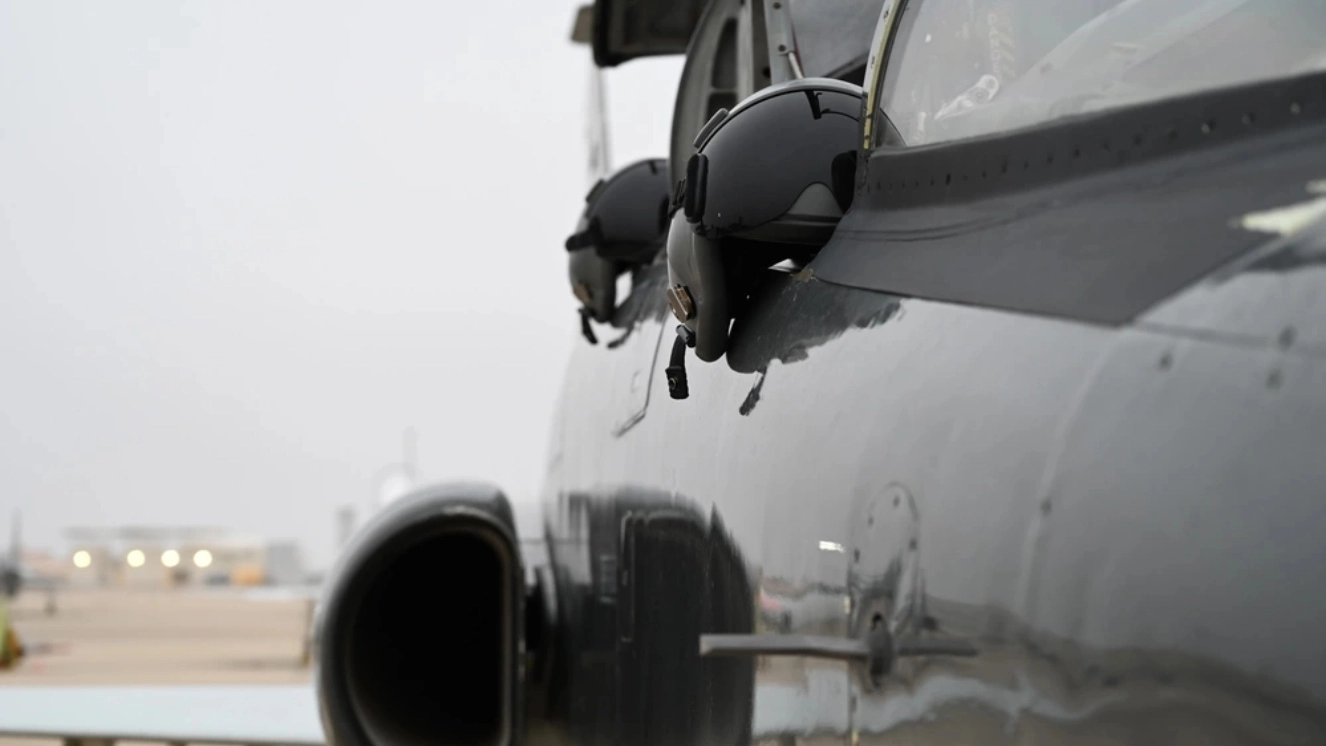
{"x": 82, "y": 559}
{"x": 135, "y": 558}
{"x": 202, "y": 558}
{"x": 170, "y": 558}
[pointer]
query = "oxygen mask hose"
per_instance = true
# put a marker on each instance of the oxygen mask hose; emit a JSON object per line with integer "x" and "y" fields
{"x": 676, "y": 370}
{"x": 586, "y": 329}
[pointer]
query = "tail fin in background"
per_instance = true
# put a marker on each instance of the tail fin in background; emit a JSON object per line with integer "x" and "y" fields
{"x": 599, "y": 159}
{"x": 598, "y": 156}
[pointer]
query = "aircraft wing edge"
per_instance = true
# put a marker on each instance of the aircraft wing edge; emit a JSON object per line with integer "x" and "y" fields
{"x": 258, "y": 715}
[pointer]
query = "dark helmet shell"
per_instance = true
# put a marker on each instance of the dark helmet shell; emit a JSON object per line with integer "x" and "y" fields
{"x": 625, "y": 216}
{"x": 780, "y": 166}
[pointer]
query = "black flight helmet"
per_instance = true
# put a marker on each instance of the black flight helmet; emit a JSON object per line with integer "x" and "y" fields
{"x": 624, "y": 224}
{"x": 778, "y": 169}
{"x": 625, "y": 216}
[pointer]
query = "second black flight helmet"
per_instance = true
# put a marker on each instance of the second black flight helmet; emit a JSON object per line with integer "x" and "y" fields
{"x": 624, "y": 224}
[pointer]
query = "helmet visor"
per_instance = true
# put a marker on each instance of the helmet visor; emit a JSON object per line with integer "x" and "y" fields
{"x": 629, "y": 215}
{"x": 760, "y": 161}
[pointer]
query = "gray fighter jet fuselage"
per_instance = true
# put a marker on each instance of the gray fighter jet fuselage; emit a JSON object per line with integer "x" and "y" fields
{"x": 1030, "y": 451}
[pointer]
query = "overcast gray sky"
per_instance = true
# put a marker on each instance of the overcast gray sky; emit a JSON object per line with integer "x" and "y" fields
{"x": 244, "y": 244}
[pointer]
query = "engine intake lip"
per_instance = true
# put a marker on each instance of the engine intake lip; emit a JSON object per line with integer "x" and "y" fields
{"x": 418, "y": 635}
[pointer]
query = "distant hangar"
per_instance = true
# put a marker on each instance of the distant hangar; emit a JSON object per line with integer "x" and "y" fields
{"x": 143, "y": 556}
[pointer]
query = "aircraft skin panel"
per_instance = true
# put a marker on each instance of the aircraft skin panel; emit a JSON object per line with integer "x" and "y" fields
{"x": 1100, "y": 218}
{"x": 1203, "y": 534}
{"x": 1272, "y": 297}
{"x": 1124, "y": 519}
{"x": 259, "y": 715}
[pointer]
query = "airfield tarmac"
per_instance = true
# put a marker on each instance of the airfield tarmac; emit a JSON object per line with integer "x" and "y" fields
{"x": 183, "y": 636}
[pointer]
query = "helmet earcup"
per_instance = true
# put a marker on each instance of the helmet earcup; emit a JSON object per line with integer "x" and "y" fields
{"x": 594, "y": 282}
{"x": 697, "y": 288}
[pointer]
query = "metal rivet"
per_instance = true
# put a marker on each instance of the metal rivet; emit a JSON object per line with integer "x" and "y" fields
{"x": 1274, "y": 380}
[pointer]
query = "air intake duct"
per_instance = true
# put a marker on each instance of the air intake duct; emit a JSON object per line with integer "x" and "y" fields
{"x": 419, "y": 633}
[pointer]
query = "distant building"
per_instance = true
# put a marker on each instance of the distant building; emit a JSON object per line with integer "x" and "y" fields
{"x": 135, "y": 556}
{"x": 284, "y": 564}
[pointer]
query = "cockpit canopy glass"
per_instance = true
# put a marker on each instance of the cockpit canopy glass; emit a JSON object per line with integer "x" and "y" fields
{"x": 833, "y": 37}
{"x": 965, "y": 68}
